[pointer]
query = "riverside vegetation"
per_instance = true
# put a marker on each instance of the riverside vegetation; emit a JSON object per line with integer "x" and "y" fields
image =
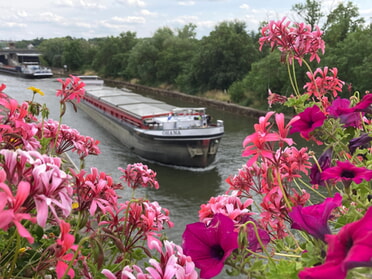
{"x": 59, "y": 222}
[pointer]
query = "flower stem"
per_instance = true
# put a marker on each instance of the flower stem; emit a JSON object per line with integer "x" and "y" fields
{"x": 16, "y": 253}
{"x": 287, "y": 203}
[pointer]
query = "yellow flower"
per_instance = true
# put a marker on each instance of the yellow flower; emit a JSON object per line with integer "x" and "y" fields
{"x": 36, "y": 90}
{"x": 75, "y": 205}
{"x": 22, "y": 250}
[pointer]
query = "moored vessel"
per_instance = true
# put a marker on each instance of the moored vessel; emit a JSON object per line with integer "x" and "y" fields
{"x": 23, "y": 63}
{"x": 155, "y": 130}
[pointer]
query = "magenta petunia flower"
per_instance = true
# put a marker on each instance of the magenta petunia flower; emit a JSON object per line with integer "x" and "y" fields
{"x": 314, "y": 219}
{"x": 347, "y": 172}
{"x": 363, "y": 106}
{"x": 348, "y": 249}
{"x": 363, "y": 141}
{"x": 340, "y": 109}
{"x": 310, "y": 119}
{"x": 210, "y": 245}
{"x": 324, "y": 162}
{"x": 253, "y": 243}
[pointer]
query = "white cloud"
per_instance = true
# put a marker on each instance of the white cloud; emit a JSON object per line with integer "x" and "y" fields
{"x": 65, "y": 3}
{"x": 129, "y": 19}
{"x": 48, "y": 17}
{"x": 147, "y": 13}
{"x": 184, "y": 19}
{"x": 138, "y": 3}
{"x": 186, "y": 3}
{"x": 80, "y": 4}
{"x": 14, "y": 24}
{"x": 244, "y": 7}
{"x": 91, "y": 5}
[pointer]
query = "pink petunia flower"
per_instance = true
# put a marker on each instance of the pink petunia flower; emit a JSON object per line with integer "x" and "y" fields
{"x": 313, "y": 219}
{"x": 210, "y": 245}
{"x": 348, "y": 249}
{"x": 310, "y": 119}
{"x": 346, "y": 171}
{"x": 340, "y": 109}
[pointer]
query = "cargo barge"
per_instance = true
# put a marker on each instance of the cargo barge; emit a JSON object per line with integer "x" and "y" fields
{"x": 154, "y": 130}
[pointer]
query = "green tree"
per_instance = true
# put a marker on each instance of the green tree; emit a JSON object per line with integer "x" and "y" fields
{"x": 142, "y": 60}
{"x": 187, "y": 32}
{"x": 267, "y": 73}
{"x": 52, "y": 50}
{"x": 112, "y": 55}
{"x": 353, "y": 57}
{"x": 222, "y": 57}
{"x": 73, "y": 53}
{"x": 341, "y": 21}
{"x": 174, "y": 55}
{"x": 162, "y": 58}
{"x": 310, "y": 11}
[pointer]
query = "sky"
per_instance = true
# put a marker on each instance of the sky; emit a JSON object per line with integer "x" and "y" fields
{"x": 31, "y": 19}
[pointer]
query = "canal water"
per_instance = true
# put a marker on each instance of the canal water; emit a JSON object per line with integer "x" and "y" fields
{"x": 182, "y": 191}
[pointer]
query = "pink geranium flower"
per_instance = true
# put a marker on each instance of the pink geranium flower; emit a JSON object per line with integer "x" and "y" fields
{"x": 139, "y": 175}
{"x": 229, "y": 205}
{"x": 49, "y": 185}
{"x": 72, "y": 89}
{"x": 210, "y": 245}
{"x": 321, "y": 83}
{"x": 261, "y": 143}
{"x": 11, "y": 208}
{"x": 95, "y": 191}
{"x": 65, "y": 250}
{"x": 293, "y": 40}
{"x": 348, "y": 249}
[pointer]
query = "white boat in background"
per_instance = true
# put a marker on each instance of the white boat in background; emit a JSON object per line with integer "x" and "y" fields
{"x": 153, "y": 129}
{"x": 92, "y": 80}
{"x": 23, "y": 63}
{"x": 35, "y": 71}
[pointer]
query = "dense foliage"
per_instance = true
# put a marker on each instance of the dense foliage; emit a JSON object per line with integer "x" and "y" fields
{"x": 225, "y": 60}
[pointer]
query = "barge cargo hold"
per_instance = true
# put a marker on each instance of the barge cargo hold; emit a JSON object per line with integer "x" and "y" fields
{"x": 154, "y": 130}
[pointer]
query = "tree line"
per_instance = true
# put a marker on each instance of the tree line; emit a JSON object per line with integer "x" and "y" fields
{"x": 226, "y": 60}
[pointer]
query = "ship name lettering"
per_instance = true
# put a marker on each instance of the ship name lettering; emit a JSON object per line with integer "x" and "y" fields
{"x": 171, "y": 132}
